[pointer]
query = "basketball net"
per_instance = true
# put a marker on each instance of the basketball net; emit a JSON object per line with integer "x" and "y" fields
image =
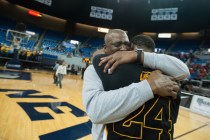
{"x": 17, "y": 38}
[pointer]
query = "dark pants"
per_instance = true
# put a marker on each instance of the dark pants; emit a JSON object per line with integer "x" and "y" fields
{"x": 55, "y": 78}
{"x": 60, "y": 78}
{"x": 82, "y": 75}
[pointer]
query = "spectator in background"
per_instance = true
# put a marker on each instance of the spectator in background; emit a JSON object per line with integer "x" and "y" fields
{"x": 61, "y": 71}
{"x": 72, "y": 67}
{"x": 208, "y": 77}
{"x": 55, "y": 69}
{"x": 83, "y": 71}
{"x": 68, "y": 68}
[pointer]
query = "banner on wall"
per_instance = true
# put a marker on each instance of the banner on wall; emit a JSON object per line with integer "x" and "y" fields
{"x": 200, "y": 105}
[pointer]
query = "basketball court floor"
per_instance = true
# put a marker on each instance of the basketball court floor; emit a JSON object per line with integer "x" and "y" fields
{"x": 33, "y": 108}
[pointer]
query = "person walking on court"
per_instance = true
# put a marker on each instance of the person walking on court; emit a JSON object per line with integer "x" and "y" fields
{"x": 55, "y": 69}
{"x": 61, "y": 71}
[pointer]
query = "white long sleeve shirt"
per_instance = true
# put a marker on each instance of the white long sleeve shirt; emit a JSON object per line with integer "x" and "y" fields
{"x": 61, "y": 69}
{"x": 105, "y": 107}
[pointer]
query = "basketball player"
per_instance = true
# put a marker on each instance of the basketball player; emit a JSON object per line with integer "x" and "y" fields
{"x": 61, "y": 71}
{"x": 144, "y": 42}
{"x": 104, "y": 107}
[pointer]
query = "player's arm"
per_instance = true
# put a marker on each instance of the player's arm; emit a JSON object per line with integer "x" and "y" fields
{"x": 165, "y": 63}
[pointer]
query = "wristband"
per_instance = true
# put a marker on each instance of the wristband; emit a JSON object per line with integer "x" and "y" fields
{"x": 139, "y": 53}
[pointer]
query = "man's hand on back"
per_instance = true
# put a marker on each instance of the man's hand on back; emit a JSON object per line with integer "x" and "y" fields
{"x": 114, "y": 60}
{"x": 163, "y": 85}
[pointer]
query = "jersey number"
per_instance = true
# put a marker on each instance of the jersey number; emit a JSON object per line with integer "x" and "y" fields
{"x": 153, "y": 120}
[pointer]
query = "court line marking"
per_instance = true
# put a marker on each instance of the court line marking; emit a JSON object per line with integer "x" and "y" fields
{"x": 191, "y": 131}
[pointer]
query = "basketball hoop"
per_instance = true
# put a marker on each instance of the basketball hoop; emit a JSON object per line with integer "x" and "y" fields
{"x": 17, "y": 37}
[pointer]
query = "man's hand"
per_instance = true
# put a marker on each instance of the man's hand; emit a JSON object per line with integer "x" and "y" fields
{"x": 163, "y": 85}
{"x": 120, "y": 57}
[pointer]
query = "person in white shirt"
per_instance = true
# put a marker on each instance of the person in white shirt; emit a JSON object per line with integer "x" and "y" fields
{"x": 61, "y": 71}
{"x": 105, "y": 107}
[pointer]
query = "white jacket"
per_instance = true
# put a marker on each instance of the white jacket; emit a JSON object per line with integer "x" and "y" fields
{"x": 61, "y": 69}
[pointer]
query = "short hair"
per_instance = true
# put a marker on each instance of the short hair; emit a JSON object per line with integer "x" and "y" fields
{"x": 111, "y": 32}
{"x": 144, "y": 41}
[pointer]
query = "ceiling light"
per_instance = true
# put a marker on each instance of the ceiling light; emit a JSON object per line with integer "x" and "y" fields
{"x": 103, "y": 30}
{"x": 164, "y": 35}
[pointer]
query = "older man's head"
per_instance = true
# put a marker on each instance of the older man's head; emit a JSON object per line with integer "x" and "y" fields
{"x": 115, "y": 40}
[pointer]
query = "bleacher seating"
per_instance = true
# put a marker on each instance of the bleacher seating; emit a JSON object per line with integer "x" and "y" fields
{"x": 37, "y": 30}
{"x": 49, "y": 43}
{"x": 7, "y": 23}
{"x": 206, "y": 44}
{"x": 186, "y": 46}
{"x": 81, "y": 39}
{"x": 200, "y": 61}
{"x": 88, "y": 45}
{"x": 11, "y": 24}
{"x": 92, "y": 45}
{"x": 68, "y": 50}
{"x": 31, "y": 43}
{"x": 49, "y": 56}
{"x": 52, "y": 39}
{"x": 4, "y": 26}
{"x": 199, "y": 69}
{"x": 86, "y": 52}
{"x": 96, "y": 43}
{"x": 163, "y": 44}
{"x": 3, "y": 37}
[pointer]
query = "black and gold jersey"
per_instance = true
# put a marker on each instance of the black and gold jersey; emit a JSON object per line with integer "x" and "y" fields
{"x": 152, "y": 121}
